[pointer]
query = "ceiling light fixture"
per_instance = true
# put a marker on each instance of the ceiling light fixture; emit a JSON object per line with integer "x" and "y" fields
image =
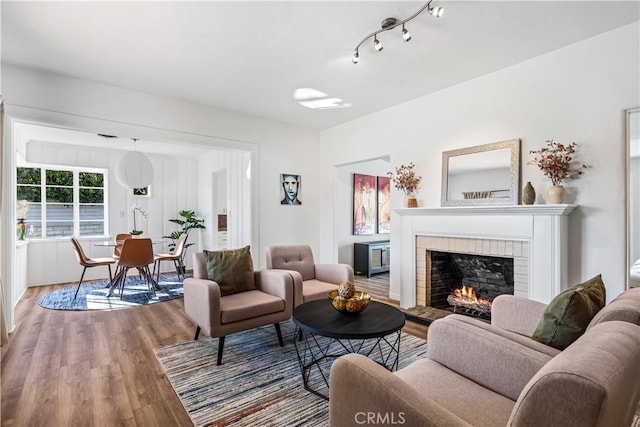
{"x": 391, "y": 23}
{"x": 134, "y": 170}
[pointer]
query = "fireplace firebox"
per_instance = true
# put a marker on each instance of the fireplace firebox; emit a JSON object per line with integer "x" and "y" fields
{"x": 467, "y": 283}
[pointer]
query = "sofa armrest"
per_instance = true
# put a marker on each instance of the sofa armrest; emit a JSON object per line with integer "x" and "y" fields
{"x": 362, "y": 392}
{"x": 278, "y": 283}
{"x": 516, "y": 314}
{"x": 334, "y": 273}
{"x": 202, "y": 303}
{"x": 493, "y": 361}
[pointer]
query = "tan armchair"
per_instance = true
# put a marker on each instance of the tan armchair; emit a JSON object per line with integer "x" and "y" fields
{"x": 311, "y": 281}
{"x": 473, "y": 377}
{"x": 218, "y": 316}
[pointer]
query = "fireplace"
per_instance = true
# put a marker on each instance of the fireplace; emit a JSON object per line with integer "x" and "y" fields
{"x": 535, "y": 236}
{"x": 466, "y": 283}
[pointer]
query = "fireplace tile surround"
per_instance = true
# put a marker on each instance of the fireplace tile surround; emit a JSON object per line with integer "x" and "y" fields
{"x": 535, "y": 236}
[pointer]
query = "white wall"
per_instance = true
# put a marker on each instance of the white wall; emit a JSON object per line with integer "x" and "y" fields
{"x": 577, "y": 93}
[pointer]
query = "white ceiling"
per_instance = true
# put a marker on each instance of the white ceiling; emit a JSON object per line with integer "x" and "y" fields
{"x": 251, "y": 56}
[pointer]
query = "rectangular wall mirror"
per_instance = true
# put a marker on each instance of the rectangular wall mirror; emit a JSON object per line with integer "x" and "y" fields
{"x": 486, "y": 174}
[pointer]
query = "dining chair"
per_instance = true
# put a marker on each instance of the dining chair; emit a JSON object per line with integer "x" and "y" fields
{"x": 87, "y": 262}
{"x": 120, "y": 238}
{"x": 177, "y": 258}
{"x": 136, "y": 253}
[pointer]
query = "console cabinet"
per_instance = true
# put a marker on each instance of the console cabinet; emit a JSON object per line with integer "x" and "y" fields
{"x": 371, "y": 257}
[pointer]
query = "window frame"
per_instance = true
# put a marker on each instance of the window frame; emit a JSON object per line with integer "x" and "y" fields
{"x": 76, "y": 220}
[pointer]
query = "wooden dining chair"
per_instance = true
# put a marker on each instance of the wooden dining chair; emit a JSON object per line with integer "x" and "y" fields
{"x": 177, "y": 257}
{"x": 87, "y": 262}
{"x": 120, "y": 238}
{"x": 136, "y": 253}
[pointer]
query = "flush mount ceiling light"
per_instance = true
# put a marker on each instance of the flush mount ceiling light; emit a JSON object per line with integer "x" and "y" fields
{"x": 390, "y": 24}
{"x": 134, "y": 170}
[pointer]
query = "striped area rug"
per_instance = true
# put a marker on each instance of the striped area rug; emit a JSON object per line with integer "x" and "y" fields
{"x": 258, "y": 383}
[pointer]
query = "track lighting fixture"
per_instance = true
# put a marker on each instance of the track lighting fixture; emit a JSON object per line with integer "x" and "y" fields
{"x": 391, "y": 23}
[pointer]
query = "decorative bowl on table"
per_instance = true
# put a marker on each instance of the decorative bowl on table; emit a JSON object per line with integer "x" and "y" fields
{"x": 353, "y": 305}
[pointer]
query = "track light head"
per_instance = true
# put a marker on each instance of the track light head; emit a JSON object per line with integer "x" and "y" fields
{"x": 405, "y": 34}
{"x": 436, "y": 11}
{"x": 355, "y": 58}
{"x": 376, "y": 44}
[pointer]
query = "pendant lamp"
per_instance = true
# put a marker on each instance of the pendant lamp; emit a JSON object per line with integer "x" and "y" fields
{"x": 134, "y": 170}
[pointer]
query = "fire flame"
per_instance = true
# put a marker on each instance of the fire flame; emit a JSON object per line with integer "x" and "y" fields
{"x": 468, "y": 295}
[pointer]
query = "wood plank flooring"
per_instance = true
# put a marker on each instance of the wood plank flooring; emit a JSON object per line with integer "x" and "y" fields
{"x": 97, "y": 368}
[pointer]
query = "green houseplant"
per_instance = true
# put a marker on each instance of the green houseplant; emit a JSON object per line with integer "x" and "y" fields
{"x": 187, "y": 221}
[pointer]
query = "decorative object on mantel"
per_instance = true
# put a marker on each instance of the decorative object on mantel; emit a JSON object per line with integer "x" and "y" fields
{"x": 405, "y": 179}
{"x": 554, "y": 161}
{"x": 528, "y": 194}
{"x": 136, "y": 208}
{"x": 21, "y": 213}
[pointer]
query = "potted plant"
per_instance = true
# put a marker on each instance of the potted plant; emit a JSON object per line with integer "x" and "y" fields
{"x": 555, "y": 161}
{"x": 188, "y": 221}
{"x": 136, "y": 208}
{"x": 404, "y": 178}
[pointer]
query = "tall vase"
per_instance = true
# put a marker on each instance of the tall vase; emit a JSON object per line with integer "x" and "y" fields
{"x": 21, "y": 229}
{"x": 556, "y": 194}
{"x": 528, "y": 194}
{"x": 410, "y": 201}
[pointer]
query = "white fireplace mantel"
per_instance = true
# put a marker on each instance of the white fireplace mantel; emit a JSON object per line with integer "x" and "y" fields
{"x": 544, "y": 229}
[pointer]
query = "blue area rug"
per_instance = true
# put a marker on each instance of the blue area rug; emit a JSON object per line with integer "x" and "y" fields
{"x": 93, "y": 294}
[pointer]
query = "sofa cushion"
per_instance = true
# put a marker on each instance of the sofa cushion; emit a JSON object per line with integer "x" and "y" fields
{"x": 625, "y": 307}
{"x": 232, "y": 270}
{"x": 567, "y": 316}
{"x": 247, "y": 305}
{"x": 315, "y": 289}
{"x": 466, "y": 399}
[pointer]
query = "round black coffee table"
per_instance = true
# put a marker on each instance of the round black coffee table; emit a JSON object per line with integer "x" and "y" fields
{"x": 326, "y": 334}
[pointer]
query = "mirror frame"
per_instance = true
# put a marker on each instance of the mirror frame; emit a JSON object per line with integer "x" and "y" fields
{"x": 627, "y": 220}
{"x": 514, "y": 185}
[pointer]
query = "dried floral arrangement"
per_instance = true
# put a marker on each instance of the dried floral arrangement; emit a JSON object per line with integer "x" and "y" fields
{"x": 22, "y": 209}
{"x": 554, "y": 161}
{"x": 405, "y": 178}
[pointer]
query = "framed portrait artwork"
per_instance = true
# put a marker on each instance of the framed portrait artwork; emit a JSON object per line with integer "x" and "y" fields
{"x": 384, "y": 205}
{"x": 364, "y": 204}
{"x": 290, "y": 189}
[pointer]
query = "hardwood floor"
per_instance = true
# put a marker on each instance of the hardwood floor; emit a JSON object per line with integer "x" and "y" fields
{"x": 96, "y": 368}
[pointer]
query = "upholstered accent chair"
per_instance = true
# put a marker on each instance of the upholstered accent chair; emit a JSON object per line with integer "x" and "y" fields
{"x": 219, "y": 315}
{"x": 311, "y": 281}
{"x": 474, "y": 377}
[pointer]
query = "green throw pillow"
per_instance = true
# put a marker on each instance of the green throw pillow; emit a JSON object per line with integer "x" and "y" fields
{"x": 568, "y": 314}
{"x": 231, "y": 269}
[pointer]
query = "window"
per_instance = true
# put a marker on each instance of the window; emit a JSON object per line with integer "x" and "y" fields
{"x": 63, "y": 202}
